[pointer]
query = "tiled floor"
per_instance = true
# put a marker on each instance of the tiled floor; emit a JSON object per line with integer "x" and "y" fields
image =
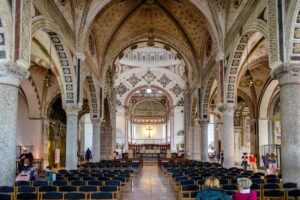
{"x": 150, "y": 184}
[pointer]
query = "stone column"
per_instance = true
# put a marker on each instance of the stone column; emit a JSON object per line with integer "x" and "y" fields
{"x": 191, "y": 143}
{"x": 172, "y": 137}
{"x": 228, "y": 135}
{"x": 197, "y": 140}
{"x": 204, "y": 140}
{"x": 96, "y": 140}
{"x": 289, "y": 81}
{"x": 187, "y": 121}
{"x": 72, "y": 137}
{"x": 45, "y": 142}
{"x": 126, "y": 129}
{"x": 10, "y": 76}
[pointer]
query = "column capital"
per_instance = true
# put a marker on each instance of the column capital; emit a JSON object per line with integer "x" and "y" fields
{"x": 227, "y": 109}
{"x": 72, "y": 109}
{"x": 80, "y": 56}
{"x": 287, "y": 73}
{"x": 202, "y": 122}
{"x": 220, "y": 56}
{"x": 13, "y": 73}
{"x": 96, "y": 122}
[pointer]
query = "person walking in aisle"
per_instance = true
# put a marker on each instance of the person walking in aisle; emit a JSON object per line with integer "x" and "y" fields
{"x": 88, "y": 155}
{"x": 252, "y": 163}
{"x": 244, "y": 161}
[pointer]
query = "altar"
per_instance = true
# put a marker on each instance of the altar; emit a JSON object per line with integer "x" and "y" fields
{"x": 149, "y": 152}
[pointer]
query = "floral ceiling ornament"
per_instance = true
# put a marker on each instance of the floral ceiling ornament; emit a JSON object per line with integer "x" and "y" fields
{"x": 164, "y": 80}
{"x": 176, "y": 90}
{"x": 121, "y": 89}
{"x": 149, "y": 77}
{"x": 133, "y": 80}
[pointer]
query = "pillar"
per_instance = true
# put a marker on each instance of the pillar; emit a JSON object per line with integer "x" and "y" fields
{"x": 45, "y": 142}
{"x": 228, "y": 135}
{"x": 172, "y": 137}
{"x": 197, "y": 140}
{"x": 187, "y": 115}
{"x": 204, "y": 140}
{"x": 10, "y": 76}
{"x": 96, "y": 140}
{"x": 289, "y": 82}
{"x": 126, "y": 129}
{"x": 71, "y": 137}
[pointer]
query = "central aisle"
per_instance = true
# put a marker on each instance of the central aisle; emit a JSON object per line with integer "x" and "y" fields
{"x": 150, "y": 184}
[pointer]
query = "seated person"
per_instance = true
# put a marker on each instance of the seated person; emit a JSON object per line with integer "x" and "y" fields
{"x": 212, "y": 191}
{"x": 244, "y": 193}
{"x": 49, "y": 174}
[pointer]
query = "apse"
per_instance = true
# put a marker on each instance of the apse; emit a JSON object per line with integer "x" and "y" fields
{"x": 149, "y": 83}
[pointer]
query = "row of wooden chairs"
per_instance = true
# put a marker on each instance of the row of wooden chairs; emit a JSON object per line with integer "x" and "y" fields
{"x": 187, "y": 181}
{"x": 59, "y": 196}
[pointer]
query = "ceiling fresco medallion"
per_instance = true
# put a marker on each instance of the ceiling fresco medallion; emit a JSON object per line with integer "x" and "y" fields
{"x": 121, "y": 89}
{"x": 149, "y": 77}
{"x": 176, "y": 90}
{"x": 133, "y": 80}
{"x": 164, "y": 80}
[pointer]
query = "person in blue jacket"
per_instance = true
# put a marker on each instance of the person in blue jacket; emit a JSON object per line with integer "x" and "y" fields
{"x": 212, "y": 191}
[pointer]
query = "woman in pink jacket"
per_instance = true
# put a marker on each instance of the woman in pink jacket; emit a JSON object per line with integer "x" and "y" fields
{"x": 244, "y": 193}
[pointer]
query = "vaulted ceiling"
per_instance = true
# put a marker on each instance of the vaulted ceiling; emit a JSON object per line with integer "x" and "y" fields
{"x": 179, "y": 20}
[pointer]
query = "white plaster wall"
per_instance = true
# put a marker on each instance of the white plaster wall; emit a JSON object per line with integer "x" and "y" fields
{"x": 29, "y": 131}
{"x": 211, "y": 131}
{"x": 88, "y": 132}
{"x": 178, "y": 125}
{"x": 120, "y": 125}
{"x": 156, "y": 133}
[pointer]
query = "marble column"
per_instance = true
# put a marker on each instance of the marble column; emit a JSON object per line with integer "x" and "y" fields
{"x": 289, "y": 81}
{"x": 187, "y": 118}
{"x": 172, "y": 137}
{"x": 204, "y": 140}
{"x": 96, "y": 140}
{"x": 126, "y": 129}
{"x": 197, "y": 141}
{"x": 10, "y": 76}
{"x": 45, "y": 142}
{"x": 71, "y": 137}
{"x": 228, "y": 135}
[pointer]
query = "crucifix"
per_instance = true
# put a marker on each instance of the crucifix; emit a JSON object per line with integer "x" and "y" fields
{"x": 149, "y": 129}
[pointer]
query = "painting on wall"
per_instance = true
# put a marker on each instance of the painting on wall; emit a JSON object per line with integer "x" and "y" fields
{"x": 277, "y": 132}
{"x": 180, "y": 133}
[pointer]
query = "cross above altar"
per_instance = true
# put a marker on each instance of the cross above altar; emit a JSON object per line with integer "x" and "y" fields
{"x": 149, "y": 129}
